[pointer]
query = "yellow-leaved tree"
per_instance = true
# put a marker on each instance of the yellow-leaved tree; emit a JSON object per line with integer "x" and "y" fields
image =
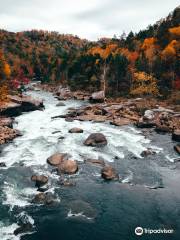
{"x": 4, "y": 76}
{"x": 144, "y": 84}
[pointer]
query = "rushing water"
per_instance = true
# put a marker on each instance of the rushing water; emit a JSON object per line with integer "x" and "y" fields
{"x": 147, "y": 194}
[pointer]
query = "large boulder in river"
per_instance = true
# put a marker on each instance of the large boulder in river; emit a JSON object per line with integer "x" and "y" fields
{"x": 76, "y": 130}
{"x": 68, "y": 167}
{"x": 39, "y": 180}
{"x": 109, "y": 173}
{"x": 97, "y": 96}
{"x": 176, "y": 135}
{"x": 96, "y": 140}
{"x": 57, "y": 159}
{"x": 44, "y": 198}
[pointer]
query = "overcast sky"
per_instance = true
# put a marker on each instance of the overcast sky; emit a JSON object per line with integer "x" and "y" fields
{"x": 90, "y": 19}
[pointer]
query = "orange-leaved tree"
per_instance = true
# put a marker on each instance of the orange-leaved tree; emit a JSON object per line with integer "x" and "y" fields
{"x": 4, "y": 75}
{"x": 144, "y": 84}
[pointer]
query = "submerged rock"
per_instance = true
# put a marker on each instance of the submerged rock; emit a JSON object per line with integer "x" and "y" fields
{"x": 67, "y": 183}
{"x": 162, "y": 128}
{"x": 68, "y": 167}
{"x": 96, "y": 140}
{"x": 81, "y": 210}
{"x": 96, "y": 161}
{"x": 76, "y": 130}
{"x": 57, "y": 159}
{"x": 109, "y": 173}
{"x": 24, "y": 228}
{"x": 39, "y": 180}
{"x": 60, "y": 104}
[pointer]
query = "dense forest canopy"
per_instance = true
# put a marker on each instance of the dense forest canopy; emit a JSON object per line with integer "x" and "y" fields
{"x": 143, "y": 63}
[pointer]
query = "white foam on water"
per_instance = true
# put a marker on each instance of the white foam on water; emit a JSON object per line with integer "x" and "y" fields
{"x": 7, "y": 231}
{"x": 38, "y": 142}
{"x": 25, "y": 218}
{"x": 17, "y": 197}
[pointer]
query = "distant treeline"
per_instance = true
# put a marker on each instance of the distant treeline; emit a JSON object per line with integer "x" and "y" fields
{"x": 145, "y": 63}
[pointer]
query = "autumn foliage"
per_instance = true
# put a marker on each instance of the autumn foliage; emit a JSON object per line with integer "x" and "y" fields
{"x": 4, "y": 76}
{"x": 143, "y": 63}
{"x": 144, "y": 85}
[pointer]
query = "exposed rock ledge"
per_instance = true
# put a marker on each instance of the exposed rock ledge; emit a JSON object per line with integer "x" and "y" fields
{"x": 17, "y": 105}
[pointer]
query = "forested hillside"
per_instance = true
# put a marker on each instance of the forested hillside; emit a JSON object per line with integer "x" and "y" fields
{"x": 145, "y": 63}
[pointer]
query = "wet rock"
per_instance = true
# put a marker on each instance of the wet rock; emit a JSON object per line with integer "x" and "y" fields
{"x": 68, "y": 167}
{"x": 42, "y": 189}
{"x": 67, "y": 183}
{"x": 109, "y": 173}
{"x": 145, "y": 123}
{"x": 2, "y": 164}
{"x": 59, "y": 116}
{"x": 44, "y": 198}
{"x": 147, "y": 152}
{"x": 96, "y": 161}
{"x": 97, "y": 97}
{"x": 58, "y": 131}
{"x": 39, "y": 180}
{"x": 60, "y": 104}
{"x": 177, "y": 148}
{"x": 162, "y": 128}
{"x": 76, "y": 130}
{"x": 96, "y": 140}
{"x": 69, "y": 119}
{"x": 176, "y": 135}
{"x": 24, "y": 228}
{"x": 57, "y": 159}
{"x": 61, "y": 138}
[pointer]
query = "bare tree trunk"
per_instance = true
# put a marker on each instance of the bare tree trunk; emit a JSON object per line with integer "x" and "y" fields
{"x": 104, "y": 79}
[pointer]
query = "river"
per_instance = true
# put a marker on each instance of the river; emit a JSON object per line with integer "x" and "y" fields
{"x": 147, "y": 194}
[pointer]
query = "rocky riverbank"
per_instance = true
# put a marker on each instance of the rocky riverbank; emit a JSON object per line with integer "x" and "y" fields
{"x": 146, "y": 113}
{"x": 15, "y": 107}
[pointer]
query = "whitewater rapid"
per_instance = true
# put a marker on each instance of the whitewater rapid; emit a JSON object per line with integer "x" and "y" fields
{"x": 44, "y": 136}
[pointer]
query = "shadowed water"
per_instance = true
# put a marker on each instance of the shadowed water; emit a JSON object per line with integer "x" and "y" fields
{"x": 146, "y": 195}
